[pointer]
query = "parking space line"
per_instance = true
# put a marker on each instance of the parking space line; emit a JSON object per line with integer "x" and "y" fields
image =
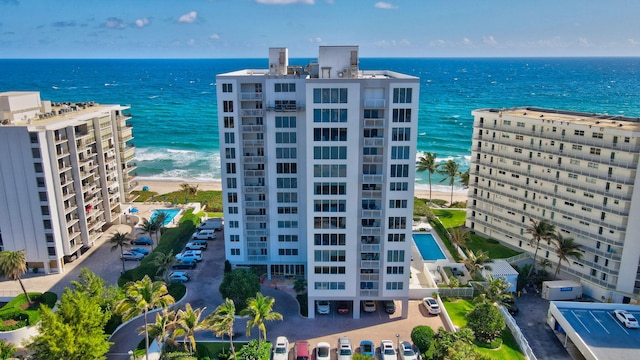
{"x": 599, "y": 322}
{"x": 580, "y": 321}
{"x": 618, "y": 323}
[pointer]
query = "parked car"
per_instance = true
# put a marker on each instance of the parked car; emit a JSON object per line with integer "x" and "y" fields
{"x": 387, "y": 352}
{"x": 179, "y": 276}
{"x": 190, "y": 254}
{"x": 142, "y": 241}
{"x": 432, "y": 305}
{"x": 195, "y": 246}
{"x": 204, "y": 235}
{"x": 301, "y": 350}
{"x": 140, "y": 250}
{"x": 389, "y": 306}
{"x": 511, "y": 308}
{"x": 323, "y": 307}
{"x": 131, "y": 256}
{"x": 343, "y": 307}
{"x": 626, "y": 318}
{"x": 369, "y": 306}
{"x": 184, "y": 264}
{"x": 281, "y": 349}
{"x": 367, "y": 348}
{"x": 406, "y": 351}
{"x": 343, "y": 350}
{"x": 323, "y": 351}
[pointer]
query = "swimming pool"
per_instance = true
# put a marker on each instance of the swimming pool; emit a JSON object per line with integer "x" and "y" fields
{"x": 428, "y": 247}
{"x": 170, "y": 214}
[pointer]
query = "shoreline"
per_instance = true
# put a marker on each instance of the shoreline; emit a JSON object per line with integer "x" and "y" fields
{"x": 167, "y": 186}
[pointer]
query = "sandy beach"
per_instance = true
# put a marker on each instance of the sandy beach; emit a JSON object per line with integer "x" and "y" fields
{"x": 167, "y": 186}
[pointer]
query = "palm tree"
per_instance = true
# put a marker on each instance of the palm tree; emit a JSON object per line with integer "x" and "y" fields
{"x": 7, "y": 350}
{"x": 221, "y": 321}
{"x": 119, "y": 240}
{"x": 259, "y": 310}
{"x": 189, "y": 189}
{"x": 477, "y": 262}
{"x": 149, "y": 227}
{"x": 140, "y": 297}
{"x": 496, "y": 290}
{"x": 459, "y": 236}
{"x": 464, "y": 178}
{"x": 162, "y": 328}
{"x": 566, "y": 247}
{"x": 539, "y": 230}
{"x": 187, "y": 323}
{"x": 159, "y": 220}
{"x": 163, "y": 262}
{"x": 13, "y": 264}
{"x": 427, "y": 162}
{"x": 450, "y": 171}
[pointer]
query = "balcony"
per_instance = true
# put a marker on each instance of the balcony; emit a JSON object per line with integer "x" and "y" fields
{"x": 253, "y": 159}
{"x": 128, "y": 154}
{"x": 374, "y": 142}
{"x": 255, "y": 218}
{"x": 252, "y": 128}
{"x": 126, "y": 134}
{"x": 366, "y": 213}
{"x": 254, "y": 189}
{"x": 249, "y": 96}
{"x": 252, "y": 112}
{"x": 374, "y": 103}
{"x": 373, "y": 159}
{"x": 373, "y": 123}
{"x": 372, "y": 178}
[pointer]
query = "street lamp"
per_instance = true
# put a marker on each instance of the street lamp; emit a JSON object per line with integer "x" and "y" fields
{"x": 398, "y": 341}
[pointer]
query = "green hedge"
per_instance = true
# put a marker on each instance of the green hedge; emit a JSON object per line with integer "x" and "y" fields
{"x": 13, "y": 310}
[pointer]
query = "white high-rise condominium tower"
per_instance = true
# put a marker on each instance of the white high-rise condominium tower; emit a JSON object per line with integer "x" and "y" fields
{"x": 318, "y": 168}
{"x": 576, "y": 171}
{"x": 65, "y": 170}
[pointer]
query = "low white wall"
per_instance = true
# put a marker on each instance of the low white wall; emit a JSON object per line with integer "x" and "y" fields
{"x": 18, "y": 336}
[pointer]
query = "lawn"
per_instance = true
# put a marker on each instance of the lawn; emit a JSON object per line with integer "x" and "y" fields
{"x": 457, "y": 310}
{"x": 491, "y": 246}
{"x": 451, "y": 218}
{"x": 16, "y": 313}
{"x": 211, "y": 198}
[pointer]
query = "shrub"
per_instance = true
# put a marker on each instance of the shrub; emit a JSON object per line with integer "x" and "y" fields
{"x": 422, "y": 336}
{"x": 303, "y": 301}
{"x": 486, "y": 322}
{"x": 177, "y": 290}
{"x": 239, "y": 285}
{"x": 49, "y": 298}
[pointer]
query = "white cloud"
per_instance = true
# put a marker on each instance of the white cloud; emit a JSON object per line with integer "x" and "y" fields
{"x": 584, "y": 42}
{"x": 315, "y": 40}
{"x": 384, "y": 5}
{"x": 393, "y": 43}
{"x": 188, "y": 17}
{"x": 115, "y": 23}
{"x": 142, "y": 22}
{"x": 467, "y": 41}
{"x": 489, "y": 40}
{"x": 191, "y": 42}
{"x": 214, "y": 36}
{"x": 285, "y": 2}
{"x": 633, "y": 42}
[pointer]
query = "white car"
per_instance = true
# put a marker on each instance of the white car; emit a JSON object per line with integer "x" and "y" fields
{"x": 131, "y": 256}
{"x": 323, "y": 351}
{"x": 369, "y": 306}
{"x": 179, "y": 276}
{"x": 626, "y": 318}
{"x": 406, "y": 351}
{"x": 281, "y": 349}
{"x": 195, "y": 246}
{"x": 387, "y": 352}
{"x": 190, "y": 254}
{"x": 323, "y": 307}
{"x": 343, "y": 350}
{"x": 432, "y": 305}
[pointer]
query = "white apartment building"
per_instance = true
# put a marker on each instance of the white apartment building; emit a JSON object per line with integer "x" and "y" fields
{"x": 65, "y": 170}
{"x": 576, "y": 171}
{"x": 318, "y": 167}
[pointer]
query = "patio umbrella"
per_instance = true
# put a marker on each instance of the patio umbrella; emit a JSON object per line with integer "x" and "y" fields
{"x": 133, "y": 210}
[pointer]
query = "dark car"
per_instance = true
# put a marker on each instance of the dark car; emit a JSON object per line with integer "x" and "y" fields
{"x": 142, "y": 241}
{"x": 184, "y": 264}
{"x": 511, "y": 308}
{"x": 343, "y": 307}
{"x": 389, "y": 306}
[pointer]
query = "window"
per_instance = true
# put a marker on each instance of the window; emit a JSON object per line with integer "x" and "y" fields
{"x": 288, "y": 252}
{"x": 328, "y": 285}
{"x": 287, "y": 168}
{"x": 234, "y": 238}
{"x": 286, "y": 153}
{"x": 285, "y": 122}
{"x": 395, "y": 256}
{"x": 234, "y": 224}
{"x": 597, "y": 135}
{"x": 285, "y": 137}
{"x": 232, "y": 197}
{"x": 288, "y": 238}
{"x": 284, "y": 87}
{"x": 578, "y": 132}
{"x": 399, "y": 170}
{"x": 400, "y": 152}
{"x": 329, "y": 115}
{"x": 330, "y": 205}
{"x": 519, "y": 137}
{"x": 330, "y": 134}
{"x": 231, "y": 168}
{"x": 230, "y": 153}
{"x": 397, "y": 222}
{"x": 287, "y": 224}
{"x": 227, "y": 106}
{"x": 287, "y": 183}
{"x": 398, "y": 204}
{"x": 398, "y": 186}
{"x": 520, "y": 124}
{"x": 229, "y": 138}
{"x": 228, "y": 122}
{"x": 232, "y": 183}
{"x": 329, "y": 222}
{"x": 595, "y": 151}
{"x": 396, "y": 237}
{"x": 395, "y": 269}
{"x": 401, "y": 134}
{"x": 329, "y": 269}
{"x": 330, "y": 170}
{"x": 330, "y": 239}
{"x": 235, "y": 252}
{"x": 232, "y": 209}
{"x": 227, "y": 88}
{"x": 287, "y": 197}
{"x": 329, "y": 255}
{"x": 402, "y": 95}
{"x": 401, "y": 115}
{"x": 329, "y": 188}
{"x": 330, "y": 96}
{"x": 395, "y": 285}
{"x": 287, "y": 210}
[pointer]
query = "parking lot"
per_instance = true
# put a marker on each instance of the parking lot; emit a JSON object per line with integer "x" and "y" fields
{"x": 600, "y": 328}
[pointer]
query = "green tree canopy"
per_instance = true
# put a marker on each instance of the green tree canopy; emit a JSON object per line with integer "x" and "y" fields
{"x": 13, "y": 264}
{"x": 427, "y": 162}
{"x": 422, "y": 336}
{"x": 239, "y": 285}
{"x": 259, "y": 310}
{"x": 450, "y": 171}
{"x": 221, "y": 321}
{"x": 565, "y": 248}
{"x": 486, "y": 322}
{"x": 453, "y": 346}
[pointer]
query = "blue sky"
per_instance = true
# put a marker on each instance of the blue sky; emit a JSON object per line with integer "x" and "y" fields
{"x": 247, "y": 28}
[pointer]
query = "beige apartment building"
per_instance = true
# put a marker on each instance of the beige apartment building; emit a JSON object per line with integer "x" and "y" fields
{"x": 577, "y": 171}
{"x": 65, "y": 171}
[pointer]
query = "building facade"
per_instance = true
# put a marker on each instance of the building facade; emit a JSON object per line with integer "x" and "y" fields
{"x": 576, "y": 171}
{"x": 318, "y": 166}
{"x": 65, "y": 170}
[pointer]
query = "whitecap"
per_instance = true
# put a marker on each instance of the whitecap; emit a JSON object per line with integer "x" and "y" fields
{"x": 154, "y": 96}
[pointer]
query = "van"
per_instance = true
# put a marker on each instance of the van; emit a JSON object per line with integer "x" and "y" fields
{"x": 301, "y": 350}
{"x": 205, "y": 235}
{"x": 211, "y": 224}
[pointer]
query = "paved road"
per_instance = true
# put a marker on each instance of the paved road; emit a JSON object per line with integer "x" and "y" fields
{"x": 532, "y": 322}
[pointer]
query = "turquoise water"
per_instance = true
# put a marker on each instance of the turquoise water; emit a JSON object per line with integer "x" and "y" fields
{"x": 428, "y": 247}
{"x": 174, "y": 110}
{"x": 171, "y": 213}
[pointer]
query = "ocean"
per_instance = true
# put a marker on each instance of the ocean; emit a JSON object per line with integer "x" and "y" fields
{"x": 174, "y": 108}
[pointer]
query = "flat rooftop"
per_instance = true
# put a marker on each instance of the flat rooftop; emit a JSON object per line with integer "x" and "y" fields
{"x": 571, "y": 117}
